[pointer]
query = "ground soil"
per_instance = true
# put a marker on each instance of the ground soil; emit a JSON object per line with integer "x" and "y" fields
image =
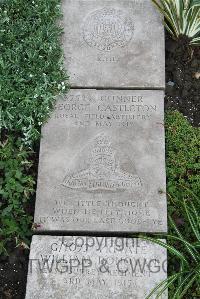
{"x": 182, "y": 93}
{"x": 13, "y": 272}
{"x": 183, "y": 79}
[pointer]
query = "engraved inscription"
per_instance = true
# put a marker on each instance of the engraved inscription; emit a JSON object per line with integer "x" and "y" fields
{"x": 101, "y": 267}
{"x": 104, "y": 172}
{"x": 107, "y": 28}
{"x": 106, "y": 58}
{"x": 108, "y": 111}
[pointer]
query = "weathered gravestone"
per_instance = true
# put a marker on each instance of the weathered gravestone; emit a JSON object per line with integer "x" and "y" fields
{"x": 115, "y": 44}
{"x": 102, "y": 163}
{"x": 102, "y": 158}
{"x": 94, "y": 268}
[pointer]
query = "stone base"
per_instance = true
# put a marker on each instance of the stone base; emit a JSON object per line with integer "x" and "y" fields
{"x": 94, "y": 268}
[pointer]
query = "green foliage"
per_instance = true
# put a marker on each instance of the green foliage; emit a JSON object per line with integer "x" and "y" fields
{"x": 31, "y": 76}
{"x": 31, "y": 71}
{"x": 182, "y": 18}
{"x": 183, "y": 186}
{"x": 186, "y": 249}
{"x": 182, "y": 156}
{"x": 16, "y": 188}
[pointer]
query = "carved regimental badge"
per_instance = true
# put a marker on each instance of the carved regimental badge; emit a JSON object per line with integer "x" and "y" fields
{"x": 104, "y": 171}
{"x": 107, "y": 28}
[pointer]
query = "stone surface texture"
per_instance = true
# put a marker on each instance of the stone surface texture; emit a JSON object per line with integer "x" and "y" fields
{"x": 113, "y": 44}
{"x": 102, "y": 163}
{"x": 94, "y": 268}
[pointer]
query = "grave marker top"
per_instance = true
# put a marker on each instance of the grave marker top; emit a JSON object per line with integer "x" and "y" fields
{"x": 113, "y": 44}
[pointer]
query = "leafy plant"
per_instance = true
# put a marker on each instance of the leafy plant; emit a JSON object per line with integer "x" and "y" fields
{"x": 183, "y": 189}
{"x": 31, "y": 76}
{"x": 16, "y": 187}
{"x": 182, "y": 157}
{"x": 187, "y": 277}
{"x": 182, "y": 18}
{"x": 31, "y": 69}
